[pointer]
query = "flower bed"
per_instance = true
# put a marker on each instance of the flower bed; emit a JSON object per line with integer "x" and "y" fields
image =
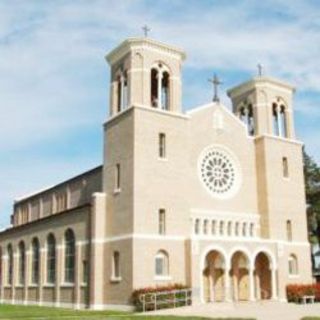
{"x": 296, "y": 291}
{"x": 154, "y": 298}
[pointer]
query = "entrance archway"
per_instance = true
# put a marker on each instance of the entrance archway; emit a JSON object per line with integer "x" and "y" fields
{"x": 262, "y": 272}
{"x": 214, "y": 277}
{"x": 240, "y": 276}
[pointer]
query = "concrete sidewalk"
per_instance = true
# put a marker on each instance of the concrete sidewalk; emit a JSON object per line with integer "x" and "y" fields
{"x": 257, "y": 310}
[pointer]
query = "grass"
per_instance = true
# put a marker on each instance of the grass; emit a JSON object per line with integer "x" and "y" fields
{"x": 45, "y": 313}
{"x": 311, "y": 318}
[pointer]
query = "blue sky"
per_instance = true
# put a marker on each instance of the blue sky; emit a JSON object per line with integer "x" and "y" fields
{"x": 54, "y": 79}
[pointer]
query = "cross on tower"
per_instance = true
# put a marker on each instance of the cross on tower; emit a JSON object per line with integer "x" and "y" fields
{"x": 260, "y": 69}
{"x": 146, "y": 29}
{"x": 216, "y": 82}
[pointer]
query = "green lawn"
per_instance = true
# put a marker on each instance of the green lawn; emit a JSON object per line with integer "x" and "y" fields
{"x": 30, "y": 313}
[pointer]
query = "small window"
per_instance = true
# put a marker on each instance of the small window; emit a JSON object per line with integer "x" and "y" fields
{"x": 162, "y": 145}
{"x": 289, "y": 230}
{"x": 285, "y": 167}
{"x": 117, "y": 177}
{"x": 161, "y": 264}
{"x": 205, "y": 226}
{"x": 236, "y": 230}
{"x": 244, "y": 229}
{"x": 252, "y": 229}
{"x": 229, "y": 228}
{"x": 293, "y": 265}
{"x": 116, "y": 265}
{"x": 162, "y": 221}
{"x": 213, "y": 227}
{"x": 197, "y": 226}
{"x": 221, "y": 228}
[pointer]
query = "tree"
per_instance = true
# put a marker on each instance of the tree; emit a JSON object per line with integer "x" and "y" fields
{"x": 312, "y": 185}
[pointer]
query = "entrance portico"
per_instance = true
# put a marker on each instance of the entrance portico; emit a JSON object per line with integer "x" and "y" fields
{"x": 238, "y": 275}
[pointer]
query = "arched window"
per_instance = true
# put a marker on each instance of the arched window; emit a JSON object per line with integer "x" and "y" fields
{"x": 22, "y": 262}
{"x": 293, "y": 265}
{"x": 162, "y": 263}
{"x": 160, "y": 87}
{"x": 246, "y": 116}
{"x": 51, "y": 259}
{"x": 69, "y": 256}
{"x": 165, "y": 91}
{"x": 116, "y": 265}
{"x": 10, "y": 264}
{"x": 35, "y": 260}
{"x": 289, "y": 230}
{"x": 279, "y": 120}
{"x": 122, "y": 90}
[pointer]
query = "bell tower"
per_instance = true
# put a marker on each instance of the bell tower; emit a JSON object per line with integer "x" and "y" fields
{"x": 145, "y": 72}
{"x": 264, "y": 104}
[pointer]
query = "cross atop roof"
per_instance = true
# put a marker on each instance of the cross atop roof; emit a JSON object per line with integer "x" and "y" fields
{"x": 146, "y": 29}
{"x": 216, "y": 82}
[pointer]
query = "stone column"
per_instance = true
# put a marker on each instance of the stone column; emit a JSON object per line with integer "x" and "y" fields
{"x": 227, "y": 283}
{"x": 15, "y": 274}
{"x": 96, "y": 264}
{"x": 28, "y": 259}
{"x": 279, "y": 121}
{"x": 159, "y": 89}
{"x": 122, "y": 92}
{"x": 77, "y": 282}
{"x": 274, "y": 294}
{"x": 42, "y": 272}
{"x": 59, "y": 273}
{"x": 251, "y": 286}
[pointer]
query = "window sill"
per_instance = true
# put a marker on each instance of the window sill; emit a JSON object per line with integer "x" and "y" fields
{"x": 294, "y": 276}
{"x": 33, "y": 285}
{"x": 163, "y": 159}
{"x": 49, "y": 285}
{"x": 66, "y": 285}
{"x": 162, "y": 278}
{"x": 115, "y": 279}
{"x": 19, "y": 286}
{"x": 83, "y": 285}
{"x": 7, "y": 286}
{"x": 116, "y": 191}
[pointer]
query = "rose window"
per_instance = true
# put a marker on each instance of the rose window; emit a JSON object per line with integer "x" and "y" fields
{"x": 218, "y": 172}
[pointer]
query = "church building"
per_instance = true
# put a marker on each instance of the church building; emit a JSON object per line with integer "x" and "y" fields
{"x": 210, "y": 198}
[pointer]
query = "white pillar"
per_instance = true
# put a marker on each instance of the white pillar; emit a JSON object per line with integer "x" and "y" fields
{"x": 227, "y": 283}
{"x": 251, "y": 286}
{"x": 279, "y": 121}
{"x": 122, "y": 92}
{"x": 274, "y": 295}
{"x": 159, "y": 106}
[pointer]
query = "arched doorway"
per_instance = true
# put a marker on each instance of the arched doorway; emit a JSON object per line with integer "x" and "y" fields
{"x": 214, "y": 277}
{"x": 262, "y": 272}
{"x": 240, "y": 276}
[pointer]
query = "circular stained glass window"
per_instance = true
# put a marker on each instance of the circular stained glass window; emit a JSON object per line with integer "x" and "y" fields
{"x": 219, "y": 172}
